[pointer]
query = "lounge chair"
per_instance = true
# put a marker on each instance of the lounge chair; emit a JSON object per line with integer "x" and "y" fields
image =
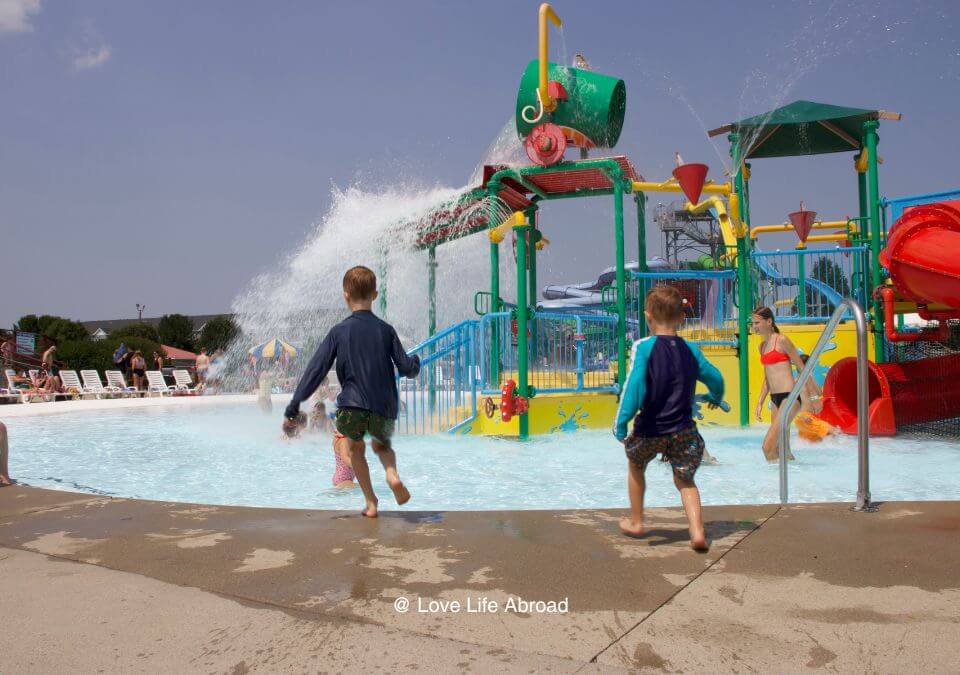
{"x": 156, "y": 383}
{"x": 94, "y": 385}
{"x": 184, "y": 382}
{"x": 72, "y": 384}
{"x": 116, "y": 382}
{"x": 12, "y": 390}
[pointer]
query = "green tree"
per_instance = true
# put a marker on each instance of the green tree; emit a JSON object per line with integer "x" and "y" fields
{"x": 55, "y": 327}
{"x": 176, "y": 330}
{"x": 136, "y": 330}
{"x": 29, "y": 323}
{"x": 827, "y": 271}
{"x": 218, "y": 333}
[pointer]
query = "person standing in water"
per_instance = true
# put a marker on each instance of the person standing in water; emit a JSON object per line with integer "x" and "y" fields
{"x": 658, "y": 399}
{"x": 368, "y": 355}
{"x": 779, "y": 357}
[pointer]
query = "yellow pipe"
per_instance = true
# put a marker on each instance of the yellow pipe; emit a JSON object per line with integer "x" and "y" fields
{"x": 827, "y": 237}
{"x": 730, "y": 227}
{"x": 546, "y": 12}
{"x": 672, "y": 185}
{"x": 787, "y": 227}
{"x": 498, "y": 234}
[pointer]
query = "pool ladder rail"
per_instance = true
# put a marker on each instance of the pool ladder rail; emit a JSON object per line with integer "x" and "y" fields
{"x": 863, "y": 502}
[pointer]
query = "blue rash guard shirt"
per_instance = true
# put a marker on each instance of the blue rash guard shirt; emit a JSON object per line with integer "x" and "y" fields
{"x": 365, "y": 348}
{"x": 661, "y": 384}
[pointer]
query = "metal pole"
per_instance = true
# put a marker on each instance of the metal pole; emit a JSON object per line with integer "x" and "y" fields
{"x": 801, "y": 285}
{"x": 871, "y": 139}
{"x": 863, "y": 440}
{"x": 641, "y": 200}
{"x": 432, "y": 290}
{"x": 744, "y": 294}
{"x": 531, "y": 215}
{"x": 432, "y": 318}
{"x": 494, "y": 381}
{"x": 621, "y": 282}
{"x": 522, "y": 321}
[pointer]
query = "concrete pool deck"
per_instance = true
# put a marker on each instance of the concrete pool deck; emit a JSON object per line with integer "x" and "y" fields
{"x": 96, "y": 583}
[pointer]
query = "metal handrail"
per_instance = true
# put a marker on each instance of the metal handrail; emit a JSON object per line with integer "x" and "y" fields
{"x": 863, "y": 439}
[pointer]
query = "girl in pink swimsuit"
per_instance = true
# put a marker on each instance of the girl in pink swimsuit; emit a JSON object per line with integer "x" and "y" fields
{"x": 342, "y": 471}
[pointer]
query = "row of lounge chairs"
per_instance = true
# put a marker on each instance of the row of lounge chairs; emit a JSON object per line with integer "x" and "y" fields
{"x": 92, "y": 386}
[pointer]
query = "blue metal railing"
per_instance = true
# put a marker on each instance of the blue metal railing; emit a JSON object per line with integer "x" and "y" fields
{"x": 443, "y": 397}
{"x": 898, "y": 204}
{"x": 711, "y": 313}
{"x": 807, "y": 285}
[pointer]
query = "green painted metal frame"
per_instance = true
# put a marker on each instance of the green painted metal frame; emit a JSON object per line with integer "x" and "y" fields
{"x": 870, "y": 141}
{"x": 744, "y": 282}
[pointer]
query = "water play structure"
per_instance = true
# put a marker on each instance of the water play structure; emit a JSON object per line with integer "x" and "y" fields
{"x": 530, "y": 366}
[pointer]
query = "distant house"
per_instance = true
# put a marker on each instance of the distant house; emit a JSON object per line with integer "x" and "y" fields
{"x": 100, "y": 329}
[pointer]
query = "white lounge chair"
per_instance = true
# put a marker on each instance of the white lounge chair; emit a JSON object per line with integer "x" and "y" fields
{"x": 156, "y": 383}
{"x": 184, "y": 382}
{"x": 71, "y": 381}
{"x": 93, "y": 384}
{"x": 14, "y": 391}
{"x": 115, "y": 381}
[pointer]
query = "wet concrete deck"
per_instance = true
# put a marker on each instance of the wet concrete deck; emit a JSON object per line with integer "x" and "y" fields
{"x": 221, "y": 589}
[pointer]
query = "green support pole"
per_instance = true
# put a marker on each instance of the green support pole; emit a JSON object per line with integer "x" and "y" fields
{"x": 522, "y": 322}
{"x": 641, "y": 200}
{"x": 876, "y": 279}
{"x": 801, "y": 285}
{"x": 432, "y": 316}
{"x": 432, "y": 289}
{"x": 861, "y": 224}
{"x": 744, "y": 294}
{"x": 531, "y": 215}
{"x": 382, "y": 290}
{"x": 617, "y": 179}
{"x": 494, "y": 376}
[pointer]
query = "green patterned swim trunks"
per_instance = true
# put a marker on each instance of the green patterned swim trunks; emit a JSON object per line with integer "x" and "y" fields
{"x": 354, "y": 423}
{"x": 683, "y": 449}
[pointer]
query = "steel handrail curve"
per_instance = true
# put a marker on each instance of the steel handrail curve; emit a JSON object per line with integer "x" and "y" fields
{"x": 863, "y": 440}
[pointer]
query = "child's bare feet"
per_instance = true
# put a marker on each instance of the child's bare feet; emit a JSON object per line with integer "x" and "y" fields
{"x": 400, "y": 491}
{"x": 370, "y": 511}
{"x": 698, "y": 542}
{"x": 631, "y": 528}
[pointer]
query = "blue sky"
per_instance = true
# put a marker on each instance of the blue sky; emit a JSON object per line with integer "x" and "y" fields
{"x": 166, "y": 152}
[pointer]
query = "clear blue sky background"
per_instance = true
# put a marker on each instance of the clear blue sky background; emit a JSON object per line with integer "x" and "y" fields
{"x": 165, "y": 152}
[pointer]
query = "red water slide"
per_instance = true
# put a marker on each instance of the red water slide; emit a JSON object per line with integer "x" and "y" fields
{"x": 923, "y": 258}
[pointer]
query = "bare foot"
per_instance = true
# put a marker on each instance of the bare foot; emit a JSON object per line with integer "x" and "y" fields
{"x": 400, "y": 491}
{"x": 699, "y": 543}
{"x": 371, "y": 510}
{"x": 6, "y": 481}
{"x": 631, "y": 528}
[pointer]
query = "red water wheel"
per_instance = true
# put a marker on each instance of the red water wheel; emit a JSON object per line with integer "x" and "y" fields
{"x": 545, "y": 144}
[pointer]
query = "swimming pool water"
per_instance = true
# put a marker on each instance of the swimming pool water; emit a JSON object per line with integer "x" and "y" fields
{"x": 233, "y": 454}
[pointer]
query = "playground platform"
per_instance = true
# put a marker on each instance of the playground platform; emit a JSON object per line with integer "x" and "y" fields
{"x": 128, "y": 585}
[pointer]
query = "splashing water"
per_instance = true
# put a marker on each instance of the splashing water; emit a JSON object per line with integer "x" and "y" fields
{"x": 302, "y": 298}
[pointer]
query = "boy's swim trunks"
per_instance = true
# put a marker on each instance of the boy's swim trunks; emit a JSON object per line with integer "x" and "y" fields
{"x": 354, "y": 423}
{"x": 683, "y": 449}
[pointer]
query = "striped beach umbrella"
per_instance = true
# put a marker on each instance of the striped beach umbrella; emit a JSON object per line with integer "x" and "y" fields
{"x": 272, "y": 349}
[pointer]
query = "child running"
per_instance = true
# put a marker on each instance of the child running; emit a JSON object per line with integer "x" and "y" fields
{"x": 365, "y": 349}
{"x": 660, "y": 385}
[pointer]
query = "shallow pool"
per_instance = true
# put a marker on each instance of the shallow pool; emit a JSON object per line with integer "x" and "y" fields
{"x": 233, "y": 454}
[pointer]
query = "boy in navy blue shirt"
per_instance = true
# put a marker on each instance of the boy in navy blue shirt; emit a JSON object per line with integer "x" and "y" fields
{"x": 659, "y": 390}
{"x": 365, "y": 349}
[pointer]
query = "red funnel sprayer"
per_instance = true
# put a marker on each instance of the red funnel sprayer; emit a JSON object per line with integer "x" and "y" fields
{"x": 691, "y": 178}
{"x": 802, "y": 222}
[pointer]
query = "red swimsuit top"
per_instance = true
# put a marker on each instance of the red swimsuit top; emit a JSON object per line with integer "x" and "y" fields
{"x": 773, "y": 356}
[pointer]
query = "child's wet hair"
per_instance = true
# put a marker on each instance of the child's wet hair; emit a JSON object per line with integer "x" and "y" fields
{"x": 664, "y": 304}
{"x": 767, "y": 314}
{"x": 360, "y": 283}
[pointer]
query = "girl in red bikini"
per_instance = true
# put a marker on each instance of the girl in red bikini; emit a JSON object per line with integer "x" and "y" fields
{"x": 779, "y": 357}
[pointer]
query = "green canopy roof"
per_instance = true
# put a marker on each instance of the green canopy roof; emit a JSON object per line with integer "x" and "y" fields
{"x": 803, "y": 128}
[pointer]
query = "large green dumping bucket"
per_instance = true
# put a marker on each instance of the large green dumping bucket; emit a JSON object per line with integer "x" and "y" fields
{"x": 596, "y": 105}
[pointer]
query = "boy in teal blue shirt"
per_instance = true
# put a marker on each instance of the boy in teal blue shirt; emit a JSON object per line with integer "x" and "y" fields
{"x": 658, "y": 398}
